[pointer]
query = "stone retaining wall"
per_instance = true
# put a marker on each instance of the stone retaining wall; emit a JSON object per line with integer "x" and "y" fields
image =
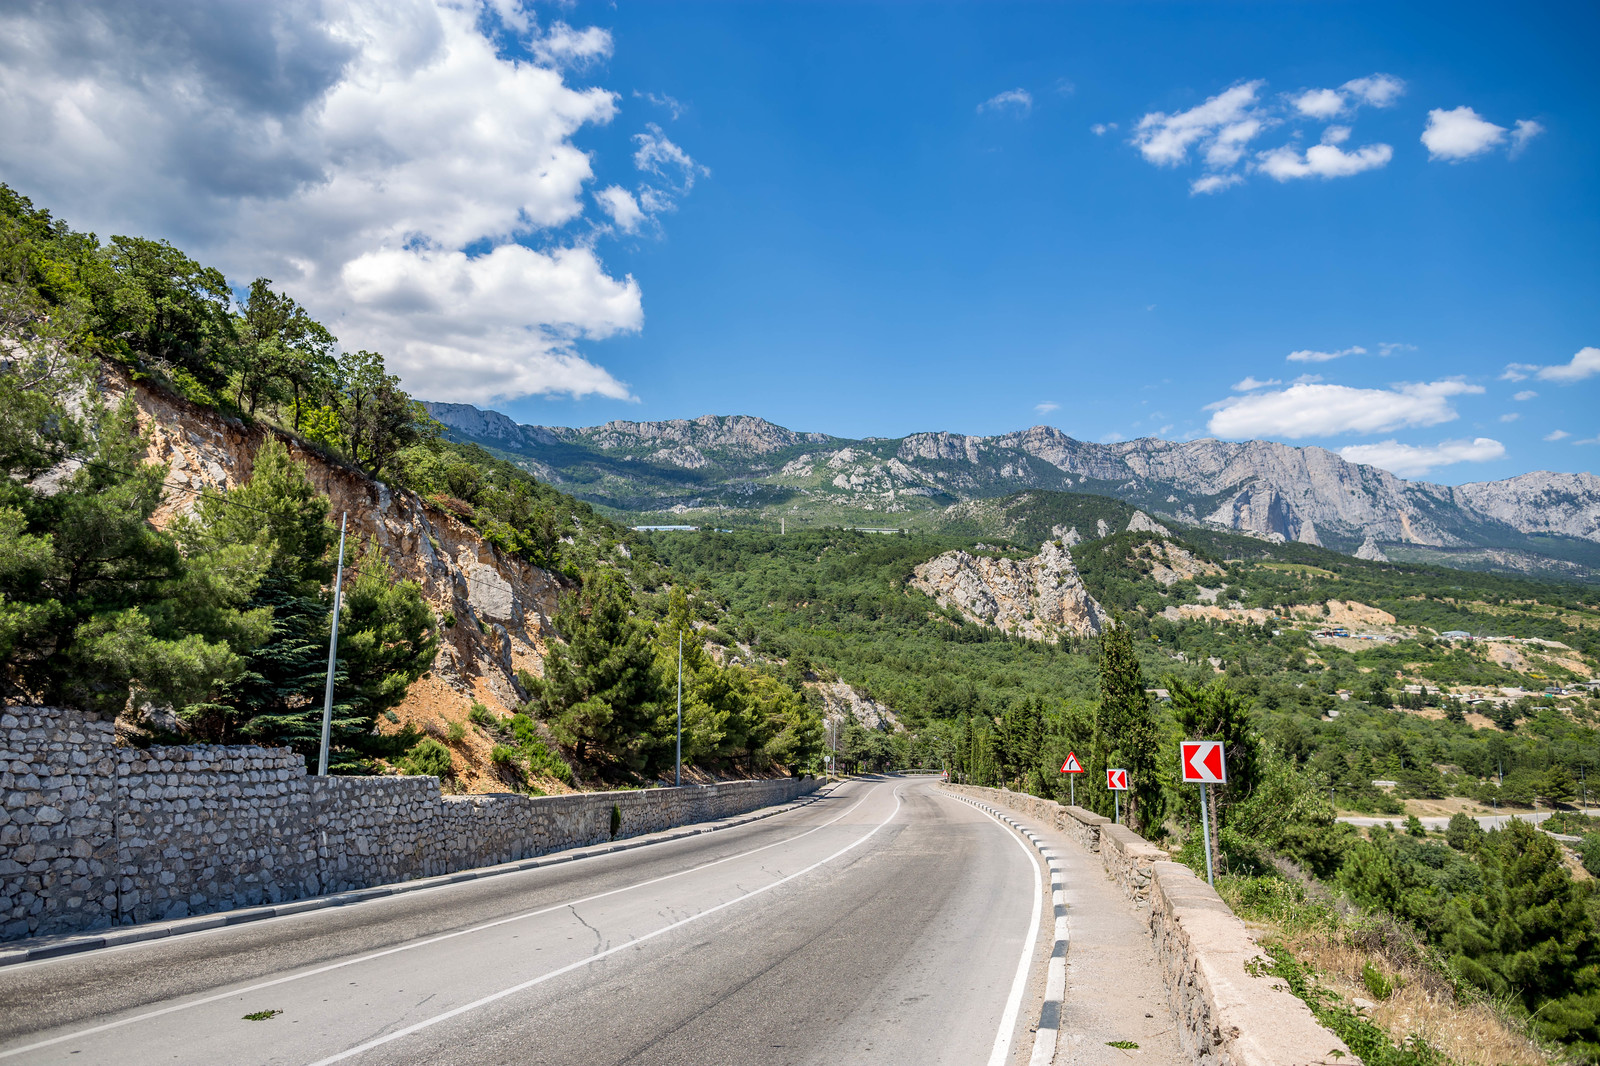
{"x": 1226, "y": 1016}
{"x": 93, "y": 835}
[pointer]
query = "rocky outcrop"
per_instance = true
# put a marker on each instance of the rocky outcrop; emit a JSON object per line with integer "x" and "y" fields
{"x": 1170, "y": 564}
{"x": 1143, "y": 523}
{"x": 842, "y": 702}
{"x": 496, "y": 608}
{"x": 1541, "y": 502}
{"x": 1370, "y": 551}
{"x": 1041, "y": 598}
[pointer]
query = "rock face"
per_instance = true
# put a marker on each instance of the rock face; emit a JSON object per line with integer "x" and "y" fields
{"x": 1269, "y": 490}
{"x": 1370, "y": 551}
{"x": 842, "y": 702}
{"x": 462, "y": 576}
{"x": 1041, "y": 598}
{"x": 1143, "y": 523}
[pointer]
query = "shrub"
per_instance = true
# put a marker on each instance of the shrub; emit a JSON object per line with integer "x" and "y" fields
{"x": 456, "y": 732}
{"x": 481, "y": 715}
{"x": 1378, "y": 983}
{"x": 428, "y": 758}
{"x": 616, "y": 820}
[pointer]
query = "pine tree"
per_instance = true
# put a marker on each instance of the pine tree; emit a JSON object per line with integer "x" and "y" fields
{"x": 1125, "y": 730}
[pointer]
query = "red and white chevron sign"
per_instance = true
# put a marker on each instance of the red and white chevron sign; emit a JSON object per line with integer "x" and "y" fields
{"x": 1203, "y": 763}
{"x": 1117, "y": 780}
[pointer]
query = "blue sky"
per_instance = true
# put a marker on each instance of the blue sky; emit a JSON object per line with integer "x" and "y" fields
{"x": 875, "y": 219}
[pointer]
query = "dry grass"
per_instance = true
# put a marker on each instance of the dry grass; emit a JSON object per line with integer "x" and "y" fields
{"x": 1473, "y": 1034}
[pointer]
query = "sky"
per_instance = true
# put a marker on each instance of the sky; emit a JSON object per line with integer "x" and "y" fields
{"x": 1370, "y": 228}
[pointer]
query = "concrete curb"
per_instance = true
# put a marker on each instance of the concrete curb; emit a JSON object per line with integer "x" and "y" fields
{"x": 49, "y": 947}
{"x": 1055, "y": 982}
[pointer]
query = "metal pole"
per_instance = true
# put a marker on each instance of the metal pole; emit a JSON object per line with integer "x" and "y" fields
{"x": 333, "y": 650}
{"x": 1116, "y": 806}
{"x": 1205, "y": 830}
{"x": 1072, "y": 783}
{"x": 677, "y": 769}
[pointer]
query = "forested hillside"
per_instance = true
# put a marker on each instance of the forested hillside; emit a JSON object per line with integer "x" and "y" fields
{"x": 199, "y": 609}
{"x": 1331, "y": 679}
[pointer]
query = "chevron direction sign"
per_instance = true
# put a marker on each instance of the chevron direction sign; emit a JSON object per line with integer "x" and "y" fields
{"x": 1117, "y": 780}
{"x": 1072, "y": 765}
{"x": 1203, "y": 763}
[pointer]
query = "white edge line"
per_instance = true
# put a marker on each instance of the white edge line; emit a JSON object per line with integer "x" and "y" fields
{"x": 525, "y": 985}
{"x": 76, "y": 1034}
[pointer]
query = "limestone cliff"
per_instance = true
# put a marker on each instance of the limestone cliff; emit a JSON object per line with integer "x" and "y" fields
{"x": 1040, "y": 598}
{"x": 496, "y": 609}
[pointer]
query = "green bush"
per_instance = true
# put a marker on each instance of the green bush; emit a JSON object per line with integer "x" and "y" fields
{"x": 428, "y": 758}
{"x": 481, "y": 715}
{"x": 456, "y": 732}
{"x": 616, "y": 820}
{"x": 1378, "y": 983}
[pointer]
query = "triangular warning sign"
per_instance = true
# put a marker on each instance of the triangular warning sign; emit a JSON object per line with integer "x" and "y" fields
{"x": 1072, "y": 765}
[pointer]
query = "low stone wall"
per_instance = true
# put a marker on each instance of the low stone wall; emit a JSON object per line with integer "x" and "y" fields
{"x": 1226, "y": 1016}
{"x": 93, "y": 835}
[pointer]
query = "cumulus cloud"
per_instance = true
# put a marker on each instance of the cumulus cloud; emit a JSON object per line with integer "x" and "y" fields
{"x": 1461, "y": 133}
{"x": 1100, "y": 129}
{"x": 1017, "y": 101}
{"x": 1309, "y": 356}
{"x": 1320, "y": 410}
{"x": 353, "y": 152}
{"x": 1250, "y": 384}
{"x": 1585, "y": 364}
{"x": 620, "y": 205}
{"x": 1326, "y": 160}
{"x": 1411, "y": 460}
{"x": 1510, "y": 416}
{"x": 1218, "y": 133}
{"x": 1557, "y": 434}
{"x": 1525, "y": 394}
{"x": 1388, "y": 348}
{"x": 1165, "y": 139}
{"x": 1046, "y": 407}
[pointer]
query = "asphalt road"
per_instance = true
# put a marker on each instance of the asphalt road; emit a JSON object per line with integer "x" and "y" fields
{"x": 884, "y": 923}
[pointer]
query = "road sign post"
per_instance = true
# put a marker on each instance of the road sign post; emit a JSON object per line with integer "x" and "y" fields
{"x": 1117, "y": 782}
{"x": 1203, "y": 764}
{"x": 1072, "y": 768}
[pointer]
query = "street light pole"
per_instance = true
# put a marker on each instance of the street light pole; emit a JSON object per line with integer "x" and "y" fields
{"x": 677, "y": 768}
{"x": 333, "y": 650}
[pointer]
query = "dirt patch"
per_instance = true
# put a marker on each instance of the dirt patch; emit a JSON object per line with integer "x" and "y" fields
{"x": 1344, "y": 613}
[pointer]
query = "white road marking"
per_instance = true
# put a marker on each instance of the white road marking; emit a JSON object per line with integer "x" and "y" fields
{"x": 525, "y": 985}
{"x": 418, "y": 943}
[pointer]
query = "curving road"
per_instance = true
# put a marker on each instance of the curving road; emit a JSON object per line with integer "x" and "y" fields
{"x": 883, "y": 923}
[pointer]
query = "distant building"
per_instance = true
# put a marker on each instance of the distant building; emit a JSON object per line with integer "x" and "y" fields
{"x": 666, "y": 529}
{"x": 1455, "y": 634}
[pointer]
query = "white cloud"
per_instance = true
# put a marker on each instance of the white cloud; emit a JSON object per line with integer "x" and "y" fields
{"x": 1112, "y": 438}
{"x": 1525, "y": 394}
{"x": 1411, "y": 460}
{"x": 1525, "y": 131}
{"x": 1379, "y": 90}
{"x": 1307, "y": 379}
{"x": 1510, "y": 416}
{"x": 1165, "y": 139}
{"x": 1585, "y": 364}
{"x": 622, "y": 207}
{"x": 1308, "y": 356}
{"x": 1557, "y": 434}
{"x": 1388, "y": 348}
{"x": 1208, "y": 183}
{"x": 352, "y": 152}
{"x": 1319, "y": 103}
{"x": 1319, "y": 410}
{"x": 1460, "y": 134}
{"x": 1019, "y": 101}
{"x": 1046, "y": 407}
{"x": 1588, "y": 440}
{"x": 661, "y": 100}
{"x": 657, "y": 155}
{"x": 1518, "y": 371}
{"x": 1250, "y": 384}
{"x": 1227, "y": 147}
{"x": 1325, "y": 160}
{"x": 565, "y": 46}
{"x": 1100, "y": 129}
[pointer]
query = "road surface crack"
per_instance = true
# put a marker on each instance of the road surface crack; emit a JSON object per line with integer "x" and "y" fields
{"x": 599, "y": 941}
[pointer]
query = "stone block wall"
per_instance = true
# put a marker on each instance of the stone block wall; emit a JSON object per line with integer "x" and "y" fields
{"x": 1226, "y": 1016}
{"x": 93, "y": 835}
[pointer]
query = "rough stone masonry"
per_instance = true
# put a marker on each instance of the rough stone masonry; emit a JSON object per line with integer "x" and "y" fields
{"x": 93, "y": 835}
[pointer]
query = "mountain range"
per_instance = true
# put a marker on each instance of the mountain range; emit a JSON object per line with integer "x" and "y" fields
{"x": 729, "y": 468}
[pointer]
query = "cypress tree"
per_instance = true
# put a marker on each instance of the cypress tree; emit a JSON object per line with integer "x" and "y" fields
{"x": 1125, "y": 730}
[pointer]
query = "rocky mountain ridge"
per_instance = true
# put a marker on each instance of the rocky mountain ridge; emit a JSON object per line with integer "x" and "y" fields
{"x": 1039, "y": 598}
{"x": 1268, "y": 489}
